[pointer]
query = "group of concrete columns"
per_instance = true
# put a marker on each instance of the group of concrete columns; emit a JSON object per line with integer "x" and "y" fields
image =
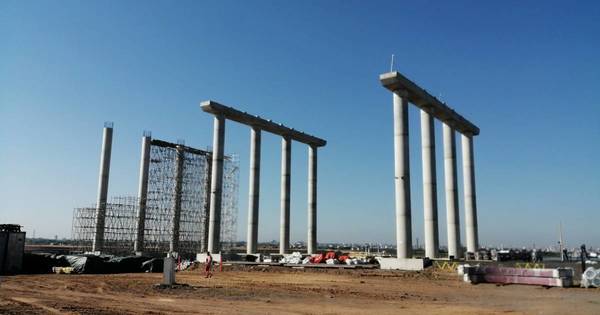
{"x": 254, "y": 191}
{"x": 212, "y": 210}
{"x": 430, "y": 205}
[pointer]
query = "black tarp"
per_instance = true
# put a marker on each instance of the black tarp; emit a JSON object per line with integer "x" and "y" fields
{"x": 153, "y": 265}
{"x": 34, "y": 263}
{"x": 91, "y": 264}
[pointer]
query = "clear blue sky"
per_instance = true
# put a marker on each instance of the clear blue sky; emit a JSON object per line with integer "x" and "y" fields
{"x": 527, "y": 73}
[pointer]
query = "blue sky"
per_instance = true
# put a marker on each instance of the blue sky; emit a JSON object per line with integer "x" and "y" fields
{"x": 527, "y": 73}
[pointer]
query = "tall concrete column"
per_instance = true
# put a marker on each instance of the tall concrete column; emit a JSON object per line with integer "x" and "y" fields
{"x": 214, "y": 226}
{"x": 138, "y": 246}
{"x": 107, "y": 136}
{"x": 469, "y": 193}
{"x": 451, "y": 187}
{"x": 206, "y": 209}
{"x": 284, "y": 225}
{"x": 254, "y": 191}
{"x": 312, "y": 200}
{"x": 429, "y": 185}
{"x": 175, "y": 219}
{"x": 402, "y": 176}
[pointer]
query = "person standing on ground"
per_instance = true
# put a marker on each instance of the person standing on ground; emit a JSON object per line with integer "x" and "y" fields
{"x": 208, "y": 265}
{"x": 583, "y": 256}
{"x": 565, "y": 254}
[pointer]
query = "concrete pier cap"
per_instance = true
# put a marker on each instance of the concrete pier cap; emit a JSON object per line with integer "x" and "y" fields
{"x": 395, "y": 81}
{"x": 258, "y": 122}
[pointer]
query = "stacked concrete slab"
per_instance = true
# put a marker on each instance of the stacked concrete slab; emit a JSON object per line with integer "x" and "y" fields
{"x": 559, "y": 277}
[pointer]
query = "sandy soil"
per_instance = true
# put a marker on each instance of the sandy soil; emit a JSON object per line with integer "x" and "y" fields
{"x": 260, "y": 290}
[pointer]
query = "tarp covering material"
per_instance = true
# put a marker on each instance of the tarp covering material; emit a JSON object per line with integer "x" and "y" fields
{"x": 153, "y": 265}
{"x": 34, "y": 263}
{"x": 590, "y": 278}
{"x": 332, "y": 261}
{"x": 330, "y": 255}
{"x": 43, "y": 263}
{"x": 106, "y": 264}
{"x": 294, "y": 258}
{"x": 316, "y": 259}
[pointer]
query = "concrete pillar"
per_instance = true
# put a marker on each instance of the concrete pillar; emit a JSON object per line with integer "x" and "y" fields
{"x": 206, "y": 209}
{"x": 284, "y": 226}
{"x": 138, "y": 245}
{"x": 254, "y": 191}
{"x": 175, "y": 219}
{"x": 451, "y": 187}
{"x": 312, "y": 200}
{"x": 402, "y": 176}
{"x": 169, "y": 265}
{"x": 214, "y": 226}
{"x": 469, "y": 193}
{"x": 429, "y": 185}
{"x": 107, "y": 135}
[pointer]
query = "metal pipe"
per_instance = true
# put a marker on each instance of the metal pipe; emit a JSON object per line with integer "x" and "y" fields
{"x": 429, "y": 185}
{"x": 402, "y": 176}
{"x": 254, "y": 191}
{"x": 138, "y": 245}
{"x": 214, "y": 227}
{"x": 284, "y": 226}
{"x": 107, "y": 136}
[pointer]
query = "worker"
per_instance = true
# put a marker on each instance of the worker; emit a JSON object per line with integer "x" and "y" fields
{"x": 565, "y": 254}
{"x": 208, "y": 265}
{"x": 583, "y": 255}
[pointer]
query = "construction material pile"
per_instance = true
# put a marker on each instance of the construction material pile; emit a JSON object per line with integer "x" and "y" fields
{"x": 293, "y": 258}
{"x": 330, "y": 258}
{"x": 590, "y": 278}
{"x": 513, "y": 255}
{"x": 559, "y": 277}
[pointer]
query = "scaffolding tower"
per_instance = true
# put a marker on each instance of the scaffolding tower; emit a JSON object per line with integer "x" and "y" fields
{"x": 194, "y": 194}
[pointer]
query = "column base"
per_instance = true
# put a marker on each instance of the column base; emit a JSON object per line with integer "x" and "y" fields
{"x": 169, "y": 271}
{"x": 409, "y": 264}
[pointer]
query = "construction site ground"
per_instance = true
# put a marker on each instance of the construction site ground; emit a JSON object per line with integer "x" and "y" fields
{"x": 280, "y": 290}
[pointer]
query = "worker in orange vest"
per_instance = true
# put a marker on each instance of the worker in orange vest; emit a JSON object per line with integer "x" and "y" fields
{"x": 208, "y": 265}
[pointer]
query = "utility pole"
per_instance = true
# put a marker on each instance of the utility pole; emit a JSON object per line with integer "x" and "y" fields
{"x": 560, "y": 241}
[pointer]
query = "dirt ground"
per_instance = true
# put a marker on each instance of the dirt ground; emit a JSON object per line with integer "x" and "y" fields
{"x": 274, "y": 290}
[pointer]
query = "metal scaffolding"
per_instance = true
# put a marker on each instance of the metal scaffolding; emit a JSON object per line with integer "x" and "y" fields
{"x": 119, "y": 230}
{"x": 121, "y": 214}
